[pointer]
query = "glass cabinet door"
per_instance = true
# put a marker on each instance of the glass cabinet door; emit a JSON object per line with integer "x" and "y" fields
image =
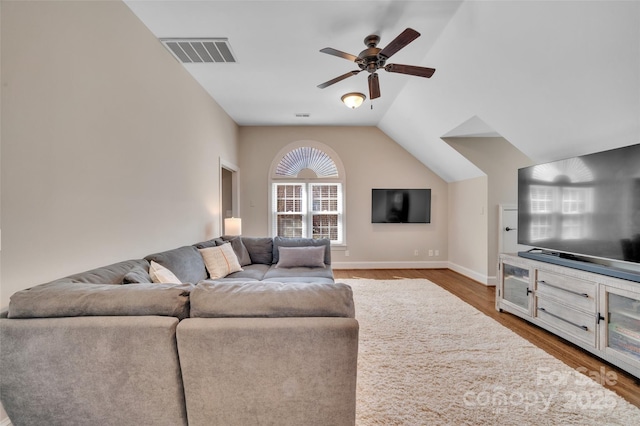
{"x": 623, "y": 323}
{"x": 515, "y": 286}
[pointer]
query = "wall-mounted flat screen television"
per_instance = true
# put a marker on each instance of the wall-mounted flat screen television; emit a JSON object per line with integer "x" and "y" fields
{"x": 400, "y": 205}
{"x": 587, "y": 205}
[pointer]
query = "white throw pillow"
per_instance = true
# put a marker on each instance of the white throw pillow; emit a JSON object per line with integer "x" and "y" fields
{"x": 161, "y": 275}
{"x": 220, "y": 261}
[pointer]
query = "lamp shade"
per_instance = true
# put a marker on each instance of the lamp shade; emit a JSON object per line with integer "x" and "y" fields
{"x": 233, "y": 226}
{"x": 353, "y": 100}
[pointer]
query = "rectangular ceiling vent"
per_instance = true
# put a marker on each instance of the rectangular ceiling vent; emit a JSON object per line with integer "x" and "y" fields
{"x": 200, "y": 50}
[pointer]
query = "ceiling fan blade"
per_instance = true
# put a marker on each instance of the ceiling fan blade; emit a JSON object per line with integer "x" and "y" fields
{"x": 410, "y": 69}
{"x": 339, "y": 54}
{"x": 337, "y": 79}
{"x": 405, "y": 37}
{"x": 374, "y": 86}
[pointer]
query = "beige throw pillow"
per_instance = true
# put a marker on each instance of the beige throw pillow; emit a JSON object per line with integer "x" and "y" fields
{"x": 161, "y": 275}
{"x": 220, "y": 261}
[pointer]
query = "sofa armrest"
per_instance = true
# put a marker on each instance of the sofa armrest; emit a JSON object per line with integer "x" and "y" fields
{"x": 259, "y": 371}
{"x": 70, "y": 299}
{"x": 211, "y": 299}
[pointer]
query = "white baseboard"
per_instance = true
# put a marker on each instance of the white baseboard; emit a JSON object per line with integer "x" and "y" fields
{"x": 5, "y": 422}
{"x": 481, "y": 278}
{"x": 391, "y": 265}
{"x": 476, "y": 276}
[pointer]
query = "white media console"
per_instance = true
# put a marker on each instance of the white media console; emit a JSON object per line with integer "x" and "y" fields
{"x": 598, "y": 312}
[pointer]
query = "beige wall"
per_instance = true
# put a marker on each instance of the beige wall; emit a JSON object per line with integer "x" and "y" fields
{"x": 500, "y": 160}
{"x": 371, "y": 160}
{"x": 468, "y": 228}
{"x": 110, "y": 150}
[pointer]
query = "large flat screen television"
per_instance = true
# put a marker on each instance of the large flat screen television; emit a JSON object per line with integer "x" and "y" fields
{"x": 400, "y": 205}
{"x": 583, "y": 206}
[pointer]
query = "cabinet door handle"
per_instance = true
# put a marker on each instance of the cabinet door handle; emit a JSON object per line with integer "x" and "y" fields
{"x": 563, "y": 289}
{"x": 584, "y": 327}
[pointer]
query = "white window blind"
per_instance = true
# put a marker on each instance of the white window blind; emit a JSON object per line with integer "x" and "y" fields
{"x": 310, "y": 210}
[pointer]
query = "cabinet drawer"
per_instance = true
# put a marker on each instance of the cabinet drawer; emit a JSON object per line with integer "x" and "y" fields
{"x": 575, "y": 323}
{"x": 573, "y": 292}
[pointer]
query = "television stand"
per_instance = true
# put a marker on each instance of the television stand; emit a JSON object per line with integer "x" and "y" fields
{"x": 599, "y": 313}
{"x": 574, "y": 262}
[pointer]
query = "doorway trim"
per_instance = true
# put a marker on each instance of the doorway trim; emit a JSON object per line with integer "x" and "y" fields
{"x": 235, "y": 190}
{"x": 502, "y": 209}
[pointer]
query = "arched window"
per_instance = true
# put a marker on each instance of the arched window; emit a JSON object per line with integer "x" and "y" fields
{"x": 307, "y": 193}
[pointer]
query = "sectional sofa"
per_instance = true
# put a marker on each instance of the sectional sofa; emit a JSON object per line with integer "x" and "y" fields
{"x": 274, "y": 343}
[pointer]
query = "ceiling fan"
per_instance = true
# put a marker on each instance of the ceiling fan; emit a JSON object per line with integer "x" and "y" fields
{"x": 373, "y": 58}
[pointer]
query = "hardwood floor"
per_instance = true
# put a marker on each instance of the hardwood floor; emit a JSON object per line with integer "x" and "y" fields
{"x": 483, "y": 298}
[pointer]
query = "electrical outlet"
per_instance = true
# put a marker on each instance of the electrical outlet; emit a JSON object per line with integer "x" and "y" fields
{"x": 346, "y": 253}
{"x": 437, "y": 252}
{"x": 430, "y": 252}
{"x": 416, "y": 252}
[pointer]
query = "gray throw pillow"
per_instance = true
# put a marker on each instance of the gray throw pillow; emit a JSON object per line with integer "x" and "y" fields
{"x": 260, "y": 249}
{"x": 136, "y": 275}
{"x": 209, "y": 243}
{"x": 294, "y": 257}
{"x": 301, "y": 242}
{"x": 239, "y": 249}
{"x": 185, "y": 262}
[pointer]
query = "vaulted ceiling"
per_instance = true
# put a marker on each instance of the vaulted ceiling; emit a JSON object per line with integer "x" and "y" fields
{"x": 555, "y": 79}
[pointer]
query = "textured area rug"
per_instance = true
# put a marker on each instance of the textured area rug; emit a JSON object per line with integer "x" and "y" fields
{"x": 428, "y": 358}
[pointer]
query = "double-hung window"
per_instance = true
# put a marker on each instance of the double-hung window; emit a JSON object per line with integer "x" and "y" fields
{"x": 311, "y": 210}
{"x": 307, "y": 196}
{"x": 290, "y": 203}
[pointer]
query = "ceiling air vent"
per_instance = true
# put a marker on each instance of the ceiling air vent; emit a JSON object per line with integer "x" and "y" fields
{"x": 199, "y": 50}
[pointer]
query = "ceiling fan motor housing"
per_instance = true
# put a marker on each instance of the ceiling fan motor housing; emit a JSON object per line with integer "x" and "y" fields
{"x": 369, "y": 59}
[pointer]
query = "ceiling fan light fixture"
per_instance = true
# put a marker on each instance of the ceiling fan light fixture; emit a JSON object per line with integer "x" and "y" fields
{"x": 353, "y": 100}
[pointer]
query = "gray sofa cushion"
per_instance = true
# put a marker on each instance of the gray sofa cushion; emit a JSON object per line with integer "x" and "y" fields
{"x": 209, "y": 243}
{"x": 260, "y": 249}
{"x": 60, "y": 299}
{"x": 299, "y": 279}
{"x": 239, "y": 249}
{"x": 255, "y": 271}
{"x": 216, "y": 299}
{"x": 111, "y": 274}
{"x": 301, "y": 274}
{"x": 301, "y": 242}
{"x": 185, "y": 262}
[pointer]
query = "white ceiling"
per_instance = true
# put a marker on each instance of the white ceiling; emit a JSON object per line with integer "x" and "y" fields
{"x": 277, "y": 43}
{"x": 554, "y": 78}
